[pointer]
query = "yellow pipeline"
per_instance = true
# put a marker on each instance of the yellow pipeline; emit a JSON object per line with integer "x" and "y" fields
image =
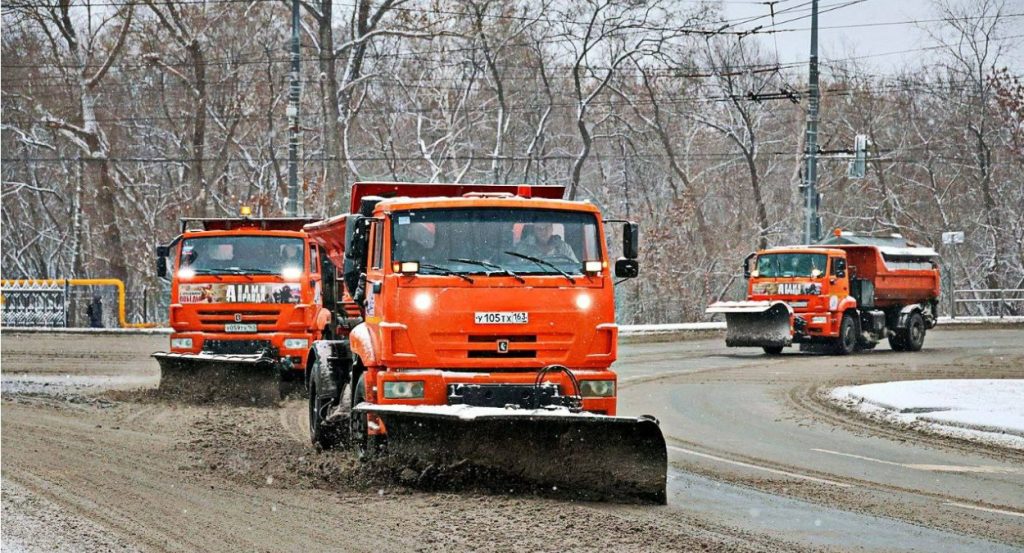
{"x": 85, "y": 282}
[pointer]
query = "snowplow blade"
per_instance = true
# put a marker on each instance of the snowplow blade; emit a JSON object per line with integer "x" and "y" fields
{"x": 583, "y": 455}
{"x": 756, "y": 323}
{"x": 203, "y": 378}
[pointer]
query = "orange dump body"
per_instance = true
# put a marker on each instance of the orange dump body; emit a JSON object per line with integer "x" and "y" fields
{"x": 898, "y": 281}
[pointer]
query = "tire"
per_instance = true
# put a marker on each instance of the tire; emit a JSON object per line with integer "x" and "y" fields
{"x": 367, "y": 446}
{"x": 897, "y": 342}
{"x": 772, "y": 350}
{"x": 846, "y": 343}
{"x": 910, "y": 338}
{"x": 323, "y": 434}
{"x": 915, "y": 332}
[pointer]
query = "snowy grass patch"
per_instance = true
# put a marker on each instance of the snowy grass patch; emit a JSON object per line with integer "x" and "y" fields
{"x": 985, "y": 410}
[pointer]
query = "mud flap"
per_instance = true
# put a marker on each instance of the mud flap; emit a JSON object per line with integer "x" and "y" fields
{"x": 201, "y": 378}
{"x": 756, "y": 323}
{"x": 586, "y": 456}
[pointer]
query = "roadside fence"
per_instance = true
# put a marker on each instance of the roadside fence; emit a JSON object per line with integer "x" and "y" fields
{"x": 1007, "y": 302}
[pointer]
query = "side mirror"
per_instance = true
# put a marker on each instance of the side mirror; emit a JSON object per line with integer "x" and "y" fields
{"x": 357, "y": 239}
{"x": 839, "y": 267}
{"x": 626, "y": 268}
{"x": 630, "y": 241}
{"x": 161, "y": 260}
{"x": 746, "y": 265}
{"x": 359, "y": 294}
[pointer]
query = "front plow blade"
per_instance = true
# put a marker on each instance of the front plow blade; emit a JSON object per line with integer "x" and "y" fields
{"x": 203, "y": 378}
{"x": 584, "y": 455}
{"x": 756, "y": 323}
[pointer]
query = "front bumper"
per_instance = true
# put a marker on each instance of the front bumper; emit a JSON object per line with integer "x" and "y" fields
{"x": 811, "y": 326}
{"x": 246, "y": 344}
{"x": 498, "y": 389}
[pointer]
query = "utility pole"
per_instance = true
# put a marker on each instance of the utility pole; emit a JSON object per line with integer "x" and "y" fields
{"x": 812, "y": 224}
{"x": 294, "y": 137}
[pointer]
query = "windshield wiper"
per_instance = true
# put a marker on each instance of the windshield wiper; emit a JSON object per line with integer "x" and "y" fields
{"x": 488, "y": 264}
{"x": 253, "y": 271}
{"x": 210, "y": 272}
{"x": 446, "y": 271}
{"x": 543, "y": 263}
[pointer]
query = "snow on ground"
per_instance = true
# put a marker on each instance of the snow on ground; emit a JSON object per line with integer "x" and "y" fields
{"x": 987, "y": 410}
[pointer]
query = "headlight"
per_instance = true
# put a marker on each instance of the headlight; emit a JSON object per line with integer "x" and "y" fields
{"x": 422, "y": 301}
{"x": 583, "y": 301}
{"x": 597, "y": 388}
{"x": 818, "y": 320}
{"x": 181, "y": 343}
{"x": 296, "y": 343}
{"x": 403, "y": 389}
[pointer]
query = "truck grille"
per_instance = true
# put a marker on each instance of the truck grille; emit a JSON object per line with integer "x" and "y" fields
{"x": 493, "y": 353}
{"x": 222, "y": 316}
{"x": 499, "y": 395}
{"x": 488, "y": 354}
{"x": 235, "y": 347}
{"x": 493, "y": 338}
{"x": 551, "y": 346}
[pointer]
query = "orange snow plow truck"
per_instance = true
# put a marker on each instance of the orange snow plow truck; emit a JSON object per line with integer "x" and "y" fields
{"x": 245, "y": 307}
{"x": 485, "y": 339}
{"x": 843, "y": 295}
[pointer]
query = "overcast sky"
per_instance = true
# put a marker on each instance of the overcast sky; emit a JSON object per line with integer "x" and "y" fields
{"x": 876, "y": 42}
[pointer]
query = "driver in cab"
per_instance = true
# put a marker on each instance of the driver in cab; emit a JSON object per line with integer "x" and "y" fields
{"x": 543, "y": 243}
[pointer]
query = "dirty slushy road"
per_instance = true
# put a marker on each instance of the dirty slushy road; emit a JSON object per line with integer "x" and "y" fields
{"x": 759, "y": 462}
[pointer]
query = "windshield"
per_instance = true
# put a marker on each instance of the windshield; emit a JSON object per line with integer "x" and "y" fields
{"x": 243, "y": 255}
{"x": 495, "y": 240}
{"x": 791, "y": 265}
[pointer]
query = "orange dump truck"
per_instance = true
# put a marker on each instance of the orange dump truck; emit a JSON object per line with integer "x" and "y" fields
{"x": 246, "y": 305}
{"x": 485, "y": 338}
{"x": 845, "y": 294}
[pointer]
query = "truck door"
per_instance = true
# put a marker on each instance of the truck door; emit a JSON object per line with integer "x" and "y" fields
{"x": 839, "y": 278}
{"x": 315, "y": 276}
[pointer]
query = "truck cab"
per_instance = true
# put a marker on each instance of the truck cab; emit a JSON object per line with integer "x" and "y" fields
{"x": 245, "y": 286}
{"x": 459, "y": 293}
{"x": 813, "y": 282}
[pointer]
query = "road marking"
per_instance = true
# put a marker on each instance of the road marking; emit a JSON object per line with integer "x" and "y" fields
{"x": 984, "y": 469}
{"x": 986, "y": 509}
{"x": 759, "y": 467}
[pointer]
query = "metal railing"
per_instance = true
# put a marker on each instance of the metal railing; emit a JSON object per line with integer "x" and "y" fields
{"x": 1002, "y": 297}
{"x": 45, "y": 301}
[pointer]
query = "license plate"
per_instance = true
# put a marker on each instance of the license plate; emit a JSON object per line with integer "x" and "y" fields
{"x": 501, "y": 318}
{"x": 240, "y": 327}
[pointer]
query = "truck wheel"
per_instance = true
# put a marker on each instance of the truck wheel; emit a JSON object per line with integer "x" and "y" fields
{"x": 321, "y": 433}
{"x": 897, "y": 341}
{"x": 772, "y": 350}
{"x": 367, "y": 446}
{"x": 914, "y": 334}
{"x": 846, "y": 343}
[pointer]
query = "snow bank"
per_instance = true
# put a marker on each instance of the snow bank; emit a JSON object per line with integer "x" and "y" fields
{"x": 988, "y": 410}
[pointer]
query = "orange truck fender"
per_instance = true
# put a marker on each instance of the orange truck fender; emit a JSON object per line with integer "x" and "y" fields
{"x": 361, "y": 342}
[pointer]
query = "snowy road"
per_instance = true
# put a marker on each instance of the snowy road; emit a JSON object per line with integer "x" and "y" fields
{"x": 759, "y": 462}
{"x": 751, "y": 422}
